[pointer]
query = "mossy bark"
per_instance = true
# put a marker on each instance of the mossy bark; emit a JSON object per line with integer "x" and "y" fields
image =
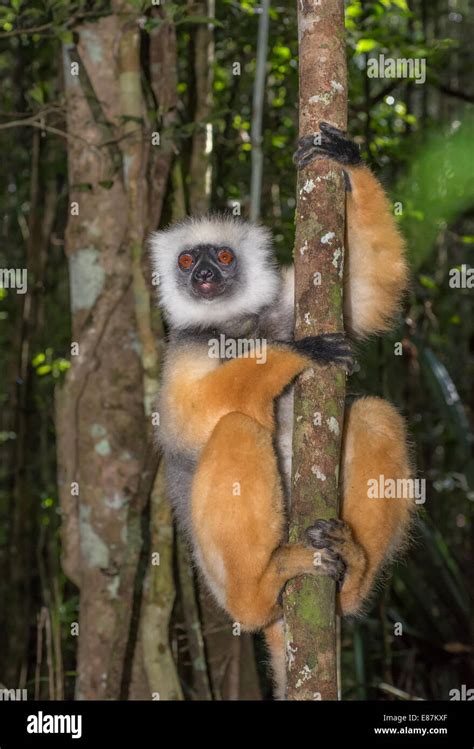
{"x": 310, "y": 620}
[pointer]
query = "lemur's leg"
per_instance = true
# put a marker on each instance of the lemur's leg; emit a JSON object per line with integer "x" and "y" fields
{"x": 371, "y": 529}
{"x": 375, "y": 273}
{"x": 246, "y": 385}
{"x": 238, "y": 518}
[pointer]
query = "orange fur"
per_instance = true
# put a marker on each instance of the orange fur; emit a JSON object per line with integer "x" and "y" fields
{"x": 375, "y": 443}
{"x": 238, "y": 519}
{"x": 207, "y": 390}
{"x": 375, "y": 272}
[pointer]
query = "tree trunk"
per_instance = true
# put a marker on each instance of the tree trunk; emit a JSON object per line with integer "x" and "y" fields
{"x": 107, "y": 465}
{"x": 310, "y": 621}
{"x": 200, "y": 169}
{"x": 257, "y": 112}
{"x": 159, "y": 585}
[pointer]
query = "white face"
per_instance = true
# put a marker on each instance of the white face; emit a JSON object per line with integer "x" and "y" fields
{"x": 212, "y": 270}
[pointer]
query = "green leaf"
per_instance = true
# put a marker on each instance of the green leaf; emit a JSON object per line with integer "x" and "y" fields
{"x": 67, "y": 37}
{"x": 37, "y": 93}
{"x": 43, "y": 370}
{"x": 131, "y": 118}
{"x": 200, "y": 19}
{"x": 60, "y": 366}
{"x": 354, "y": 10}
{"x": 402, "y": 4}
{"x": 82, "y": 187}
{"x": 39, "y": 359}
{"x": 365, "y": 45}
{"x": 279, "y": 141}
{"x": 284, "y": 53}
{"x": 426, "y": 281}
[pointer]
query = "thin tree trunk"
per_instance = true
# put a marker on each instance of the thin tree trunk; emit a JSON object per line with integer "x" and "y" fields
{"x": 310, "y": 621}
{"x": 164, "y": 84}
{"x": 232, "y": 667}
{"x": 21, "y": 510}
{"x": 201, "y": 681}
{"x": 200, "y": 170}
{"x": 159, "y": 586}
{"x": 158, "y": 600}
{"x": 257, "y": 112}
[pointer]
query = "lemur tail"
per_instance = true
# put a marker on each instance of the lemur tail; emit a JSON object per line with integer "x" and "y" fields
{"x": 275, "y": 638}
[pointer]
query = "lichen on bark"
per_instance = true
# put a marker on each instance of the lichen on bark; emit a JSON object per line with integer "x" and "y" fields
{"x": 309, "y": 602}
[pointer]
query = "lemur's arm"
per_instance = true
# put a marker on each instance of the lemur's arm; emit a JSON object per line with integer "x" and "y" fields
{"x": 375, "y": 273}
{"x": 203, "y": 393}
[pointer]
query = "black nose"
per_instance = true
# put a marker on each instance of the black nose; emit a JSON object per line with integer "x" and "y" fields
{"x": 204, "y": 274}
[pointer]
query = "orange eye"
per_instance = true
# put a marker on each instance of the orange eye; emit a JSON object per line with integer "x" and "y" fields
{"x": 185, "y": 261}
{"x": 225, "y": 257}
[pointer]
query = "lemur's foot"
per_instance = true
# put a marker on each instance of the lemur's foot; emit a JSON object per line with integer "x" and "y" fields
{"x": 336, "y": 536}
{"x": 328, "y": 348}
{"x": 329, "y": 534}
{"x": 329, "y": 143}
{"x": 327, "y": 562}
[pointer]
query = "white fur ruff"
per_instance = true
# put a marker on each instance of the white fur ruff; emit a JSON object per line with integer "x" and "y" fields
{"x": 260, "y": 281}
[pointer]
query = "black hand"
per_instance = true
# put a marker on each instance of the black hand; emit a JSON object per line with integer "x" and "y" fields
{"x": 330, "y": 143}
{"x": 328, "y": 348}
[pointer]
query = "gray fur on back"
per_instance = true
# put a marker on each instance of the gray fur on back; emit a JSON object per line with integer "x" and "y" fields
{"x": 179, "y": 472}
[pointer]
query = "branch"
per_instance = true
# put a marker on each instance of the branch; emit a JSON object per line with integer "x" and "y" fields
{"x": 456, "y": 94}
{"x": 50, "y": 25}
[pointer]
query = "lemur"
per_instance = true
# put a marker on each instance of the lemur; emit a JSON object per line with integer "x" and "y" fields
{"x": 218, "y": 430}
